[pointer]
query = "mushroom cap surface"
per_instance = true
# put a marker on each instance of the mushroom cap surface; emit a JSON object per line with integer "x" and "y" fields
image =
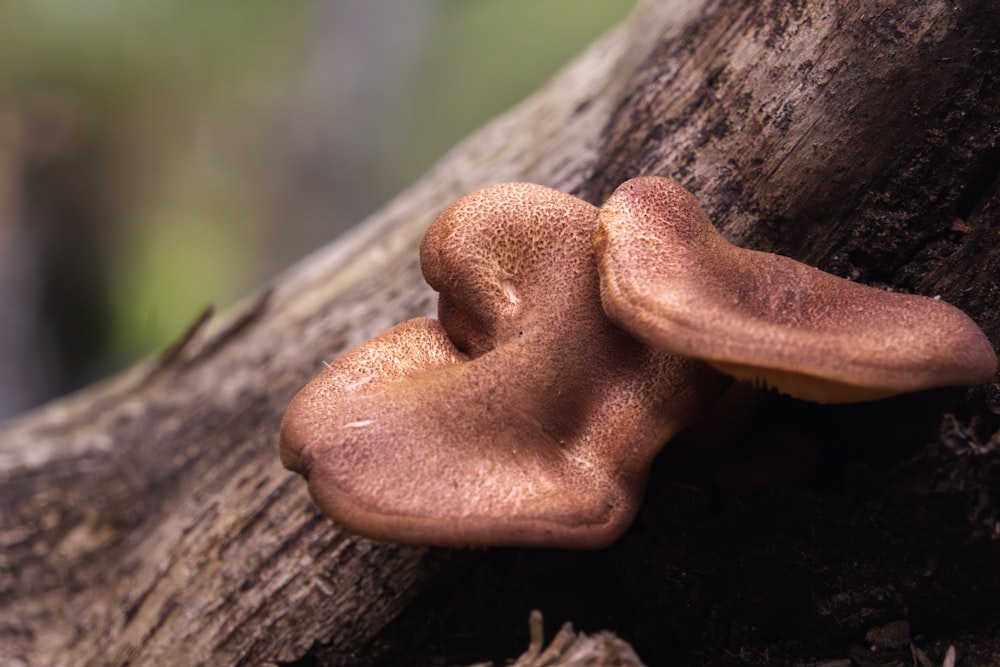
{"x": 669, "y": 278}
{"x": 522, "y": 417}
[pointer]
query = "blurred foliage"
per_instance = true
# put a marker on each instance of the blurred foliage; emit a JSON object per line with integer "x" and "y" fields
{"x": 482, "y": 57}
{"x": 130, "y": 91}
{"x": 188, "y": 140}
{"x": 118, "y": 46}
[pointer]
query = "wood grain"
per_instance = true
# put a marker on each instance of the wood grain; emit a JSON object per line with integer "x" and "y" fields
{"x": 147, "y": 520}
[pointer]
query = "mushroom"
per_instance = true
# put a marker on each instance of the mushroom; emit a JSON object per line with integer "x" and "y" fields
{"x": 525, "y": 415}
{"x": 522, "y": 416}
{"x": 671, "y": 280}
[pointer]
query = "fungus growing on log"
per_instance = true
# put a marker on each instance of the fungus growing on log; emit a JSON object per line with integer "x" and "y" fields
{"x": 522, "y": 417}
{"x": 671, "y": 280}
{"x": 526, "y": 415}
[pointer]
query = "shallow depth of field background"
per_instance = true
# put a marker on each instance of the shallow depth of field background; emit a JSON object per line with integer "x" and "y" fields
{"x": 157, "y": 156}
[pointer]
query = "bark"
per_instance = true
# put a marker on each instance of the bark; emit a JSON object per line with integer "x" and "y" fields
{"x": 147, "y": 520}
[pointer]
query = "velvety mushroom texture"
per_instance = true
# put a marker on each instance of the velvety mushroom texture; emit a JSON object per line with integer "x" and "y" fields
{"x": 669, "y": 278}
{"x": 522, "y": 417}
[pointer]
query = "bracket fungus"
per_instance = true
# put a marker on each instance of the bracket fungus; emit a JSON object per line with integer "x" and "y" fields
{"x": 522, "y": 416}
{"x": 671, "y": 280}
{"x": 571, "y": 344}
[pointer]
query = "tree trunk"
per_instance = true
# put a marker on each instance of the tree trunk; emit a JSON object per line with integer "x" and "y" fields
{"x": 147, "y": 520}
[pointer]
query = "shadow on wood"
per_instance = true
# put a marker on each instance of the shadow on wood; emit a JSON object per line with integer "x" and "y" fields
{"x": 147, "y": 520}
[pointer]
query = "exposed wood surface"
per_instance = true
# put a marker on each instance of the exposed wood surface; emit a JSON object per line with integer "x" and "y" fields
{"x": 147, "y": 520}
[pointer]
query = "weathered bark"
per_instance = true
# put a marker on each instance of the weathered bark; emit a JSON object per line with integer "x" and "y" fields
{"x": 147, "y": 520}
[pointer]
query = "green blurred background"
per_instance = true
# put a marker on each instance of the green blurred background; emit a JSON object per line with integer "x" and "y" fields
{"x": 157, "y": 156}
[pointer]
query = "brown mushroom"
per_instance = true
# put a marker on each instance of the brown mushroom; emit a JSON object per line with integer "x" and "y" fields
{"x": 523, "y": 417}
{"x": 669, "y": 278}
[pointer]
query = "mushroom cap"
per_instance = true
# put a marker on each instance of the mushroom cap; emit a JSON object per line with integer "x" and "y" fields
{"x": 669, "y": 278}
{"x": 522, "y": 417}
